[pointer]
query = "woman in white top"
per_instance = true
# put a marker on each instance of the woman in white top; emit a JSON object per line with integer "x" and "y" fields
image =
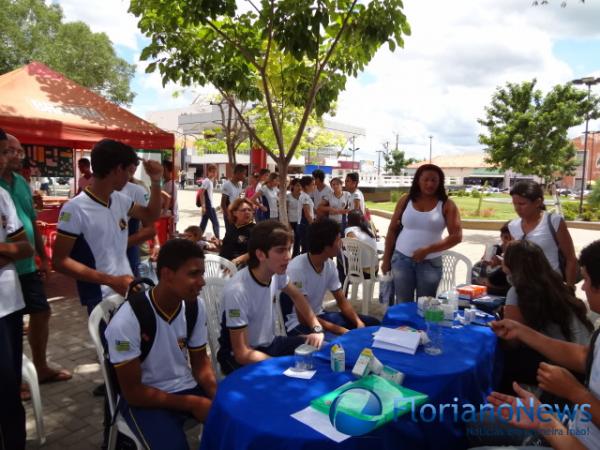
{"x": 306, "y": 212}
{"x": 293, "y": 209}
{"x": 358, "y": 228}
{"x": 414, "y": 244}
{"x": 534, "y": 224}
{"x": 336, "y": 203}
{"x": 266, "y": 198}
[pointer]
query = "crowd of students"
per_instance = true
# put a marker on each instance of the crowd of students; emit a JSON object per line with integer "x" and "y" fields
{"x": 550, "y": 340}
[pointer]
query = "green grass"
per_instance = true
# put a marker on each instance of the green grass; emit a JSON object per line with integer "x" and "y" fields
{"x": 467, "y": 206}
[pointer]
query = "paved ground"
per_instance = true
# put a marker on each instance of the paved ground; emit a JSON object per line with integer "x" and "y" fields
{"x": 72, "y": 416}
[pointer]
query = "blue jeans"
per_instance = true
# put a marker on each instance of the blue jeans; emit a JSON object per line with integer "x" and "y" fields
{"x": 210, "y": 214}
{"x": 424, "y": 277}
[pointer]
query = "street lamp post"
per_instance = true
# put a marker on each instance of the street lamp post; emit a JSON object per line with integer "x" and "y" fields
{"x": 430, "y": 147}
{"x": 589, "y": 82}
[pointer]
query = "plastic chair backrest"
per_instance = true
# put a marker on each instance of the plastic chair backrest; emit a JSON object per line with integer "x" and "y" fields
{"x": 450, "y": 261}
{"x": 359, "y": 256}
{"x": 216, "y": 266}
{"x": 279, "y": 317}
{"x": 102, "y": 313}
{"x": 212, "y": 293}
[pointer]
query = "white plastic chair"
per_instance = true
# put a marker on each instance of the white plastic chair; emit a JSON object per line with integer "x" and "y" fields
{"x": 218, "y": 267}
{"x": 450, "y": 262}
{"x": 279, "y": 319}
{"x": 30, "y": 377}
{"x": 358, "y": 257}
{"x": 102, "y": 312}
{"x": 212, "y": 293}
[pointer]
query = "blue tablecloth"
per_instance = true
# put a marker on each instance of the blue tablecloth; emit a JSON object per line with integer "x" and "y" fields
{"x": 253, "y": 405}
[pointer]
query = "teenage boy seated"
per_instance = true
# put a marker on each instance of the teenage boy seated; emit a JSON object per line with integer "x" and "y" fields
{"x": 195, "y": 234}
{"x": 248, "y": 325}
{"x": 161, "y": 391}
{"x": 580, "y": 431}
{"x": 314, "y": 273}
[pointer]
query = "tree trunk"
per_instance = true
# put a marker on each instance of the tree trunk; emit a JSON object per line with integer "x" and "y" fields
{"x": 282, "y": 167}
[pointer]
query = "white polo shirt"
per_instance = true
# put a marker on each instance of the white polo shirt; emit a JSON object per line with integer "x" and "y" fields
{"x": 207, "y": 185}
{"x": 247, "y": 303}
{"x": 312, "y": 284}
{"x": 166, "y": 365}
{"x": 341, "y": 202}
{"x": 100, "y": 234}
{"x": 293, "y": 208}
{"x": 231, "y": 190}
{"x": 319, "y": 195}
{"x": 305, "y": 199}
{"x": 357, "y": 195}
{"x": 136, "y": 193}
{"x": 272, "y": 200}
{"x": 11, "y": 297}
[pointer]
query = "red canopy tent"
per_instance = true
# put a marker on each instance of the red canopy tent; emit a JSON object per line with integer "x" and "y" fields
{"x": 42, "y": 107}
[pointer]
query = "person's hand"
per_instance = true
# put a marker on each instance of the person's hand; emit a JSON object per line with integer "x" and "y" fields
{"x": 237, "y": 261}
{"x": 263, "y": 208}
{"x": 495, "y": 261}
{"x": 315, "y": 339}
{"x": 386, "y": 266}
{"x": 198, "y": 407}
{"x": 154, "y": 169}
{"x": 524, "y": 400}
{"x": 359, "y": 323}
{"x": 420, "y": 254}
{"x": 4, "y": 261}
{"x": 507, "y": 328}
{"x": 202, "y": 210}
{"x": 557, "y": 380}
{"x": 44, "y": 268}
{"x": 120, "y": 284}
{"x": 154, "y": 253}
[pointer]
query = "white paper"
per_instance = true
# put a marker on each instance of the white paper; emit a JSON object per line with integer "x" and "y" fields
{"x": 304, "y": 374}
{"x": 400, "y": 340}
{"x": 319, "y": 422}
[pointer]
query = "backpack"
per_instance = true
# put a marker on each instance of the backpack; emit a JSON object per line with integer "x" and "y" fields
{"x": 198, "y": 194}
{"x": 562, "y": 260}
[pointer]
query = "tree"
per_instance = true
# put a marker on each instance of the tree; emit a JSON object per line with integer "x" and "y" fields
{"x": 527, "y": 131}
{"x": 32, "y": 30}
{"x": 290, "y": 57}
{"x": 395, "y": 161}
{"x": 233, "y": 131}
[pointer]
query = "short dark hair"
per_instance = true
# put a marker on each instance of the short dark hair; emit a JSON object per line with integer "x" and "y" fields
{"x": 109, "y": 154}
{"x": 262, "y": 172}
{"x": 357, "y": 219}
{"x": 84, "y": 161}
{"x": 239, "y": 168}
{"x": 306, "y": 180}
{"x": 167, "y": 165}
{"x": 175, "y": 253}
{"x": 194, "y": 229}
{"x": 415, "y": 190}
{"x": 322, "y": 233}
{"x": 590, "y": 259}
{"x": 353, "y": 176}
{"x": 266, "y": 235}
{"x": 210, "y": 168}
{"x": 3, "y": 136}
{"x": 273, "y": 176}
{"x": 530, "y": 190}
{"x": 318, "y": 174}
{"x": 504, "y": 229}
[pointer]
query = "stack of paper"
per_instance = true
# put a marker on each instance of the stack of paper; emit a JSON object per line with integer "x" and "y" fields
{"x": 397, "y": 340}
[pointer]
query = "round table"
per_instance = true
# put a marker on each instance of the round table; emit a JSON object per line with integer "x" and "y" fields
{"x": 253, "y": 405}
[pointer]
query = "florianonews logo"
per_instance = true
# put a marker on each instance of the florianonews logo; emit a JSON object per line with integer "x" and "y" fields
{"x": 356, "y": 411}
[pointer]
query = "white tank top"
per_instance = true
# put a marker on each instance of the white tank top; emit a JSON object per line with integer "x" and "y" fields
{"x": 421, "y": 229}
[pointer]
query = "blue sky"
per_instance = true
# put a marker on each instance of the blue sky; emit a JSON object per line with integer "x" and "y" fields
{"x": 438, "y": 85}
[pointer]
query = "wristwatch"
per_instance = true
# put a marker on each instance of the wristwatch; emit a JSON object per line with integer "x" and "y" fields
{"x": 317, "y": 329}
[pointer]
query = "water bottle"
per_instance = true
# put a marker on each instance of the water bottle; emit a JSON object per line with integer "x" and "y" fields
{"x": 434, "y": 316}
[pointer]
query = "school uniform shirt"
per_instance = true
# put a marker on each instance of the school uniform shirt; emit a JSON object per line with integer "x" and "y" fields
{"x": 166, "y": 365}
{"x": 170, "y": 187}
{"x": 357, "y": 195}
{"x": 207, "y": 185}
{"x": 248, "y": 303}
{"x": 293, "y": 208}
{"x": 303, "y": 200}
{"x": 235, "y": 242}
{"x": 318, "y": 196}
{"x": 232, "y": 191}
{"x": 312, "y": 284}
{"x": 11, "y": 297}
{"x": 100, "y": 233}
{"x": 272, "y": 200}
{"x": 341, "y": 202}
{"x": 589, "y": 434}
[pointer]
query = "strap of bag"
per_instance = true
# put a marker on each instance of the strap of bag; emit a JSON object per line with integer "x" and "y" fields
{"x": 589, "y": 360}
{"x": 191, "y": 316}
{"x": 145, "y": 315}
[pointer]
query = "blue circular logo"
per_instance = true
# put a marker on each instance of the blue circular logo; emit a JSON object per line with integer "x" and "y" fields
{"x": 356, "y": 411}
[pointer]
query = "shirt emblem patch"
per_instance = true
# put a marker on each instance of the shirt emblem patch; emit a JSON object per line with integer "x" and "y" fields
{"x": 298, "y": 284}
{"x": 122, "y": 346}
{"x": 64, "y": 217}
{"x": 4, "y": 222}
{"x": 182, "y": 343}
{"x": 234, "y": 313}
{"x": 123, "y": 224}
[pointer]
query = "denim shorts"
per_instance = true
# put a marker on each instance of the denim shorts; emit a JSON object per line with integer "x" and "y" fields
{"x": 34, "y": 294}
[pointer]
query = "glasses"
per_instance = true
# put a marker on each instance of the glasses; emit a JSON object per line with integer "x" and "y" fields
{"x": 13, "y": 152}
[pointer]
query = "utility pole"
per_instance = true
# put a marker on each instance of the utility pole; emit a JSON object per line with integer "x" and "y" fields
{"x": 397, "y": 140}
{"x": 430, "y": 147}
{"x": 353, "y": 150}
